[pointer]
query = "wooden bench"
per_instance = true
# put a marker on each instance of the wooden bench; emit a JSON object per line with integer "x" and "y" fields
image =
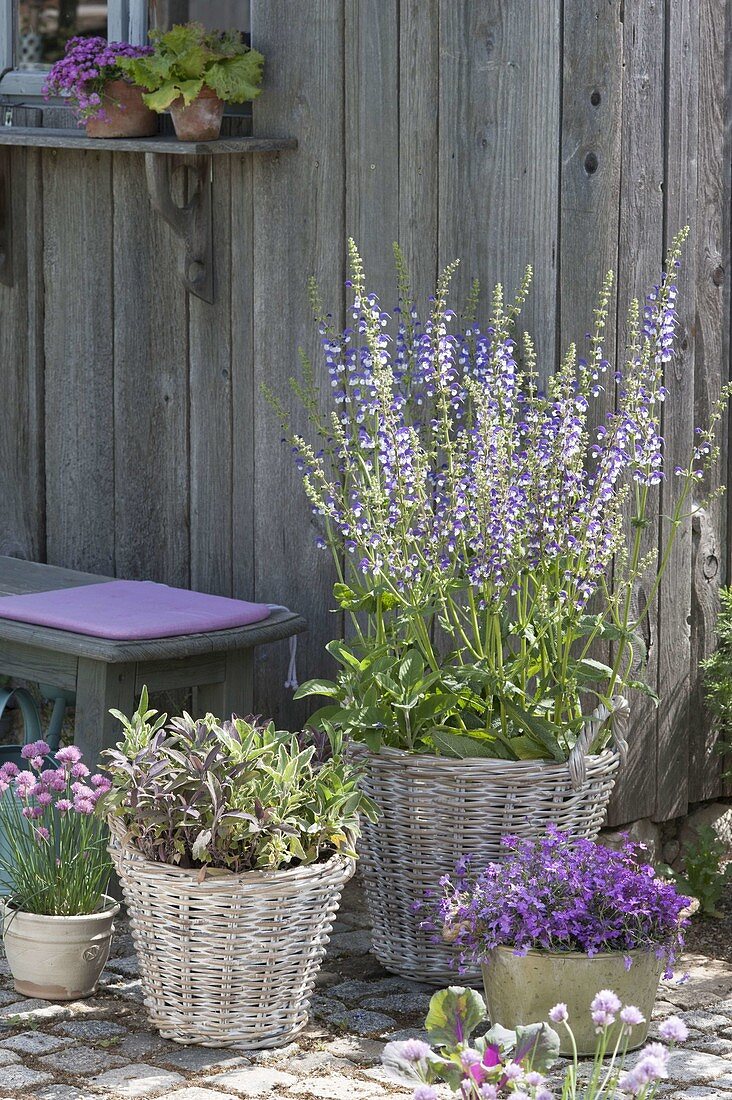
{"x": 105, "y": 673}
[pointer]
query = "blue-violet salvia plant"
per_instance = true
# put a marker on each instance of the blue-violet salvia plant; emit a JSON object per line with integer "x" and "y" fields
{"x": 54, "y": 852}
{"x": 502, "y": 1063}
{"x": 556, "y": 893}
{"x": 453, "y": 487}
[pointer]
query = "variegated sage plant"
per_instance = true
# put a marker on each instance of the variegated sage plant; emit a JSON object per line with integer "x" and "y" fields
{"x": 237, "y": 795}
{"x": 485, "y": 531}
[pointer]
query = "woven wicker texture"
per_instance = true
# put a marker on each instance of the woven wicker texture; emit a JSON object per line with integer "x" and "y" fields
{"x": 436, "y": 809}
{"x": 231, "y": 959}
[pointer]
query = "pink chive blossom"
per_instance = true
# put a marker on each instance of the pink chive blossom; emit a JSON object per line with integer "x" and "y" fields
{"x": 604, "y": 1008}
{"x": 512, "y": 1071}
{"x": 83, "y": 806}
{"x": 489, "y": 1092}
{"x": 42, "y": 833}
{"x": 32, "y": 813}
{"x": 425, "y": 1092}
{"x": 673, "y": 1030}
{"x": 559, "y": 1014}
{"x": 534, "y": 1079}
{"x": 69, "y": 755}
{"x": 631, "y": 1016}
{"x": 650, "y": 1068}
{"x": 101, "y": 784}
{"x": 44, "y": 798}
{"x": 35, "y": 750}
{"x": 25, "y": 784}
{"x": 54, "y": 779}
{"x": 64, "y": 805}
{"x": 414, "y": 1050}
{"x": 9, "y": 770}
{"x": 79, "y": 771}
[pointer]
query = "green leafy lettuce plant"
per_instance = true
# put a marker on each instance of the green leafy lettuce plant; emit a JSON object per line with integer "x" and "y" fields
{"x": 188, "y": 58}
{"x": 236, "y": 795}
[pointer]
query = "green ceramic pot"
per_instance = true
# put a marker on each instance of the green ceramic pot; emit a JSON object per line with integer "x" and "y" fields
{"x": 521, "y": 989}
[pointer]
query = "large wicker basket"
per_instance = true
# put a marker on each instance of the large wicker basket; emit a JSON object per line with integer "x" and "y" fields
{"x": 229, "y": 959}
{"x": 436, "y": 809}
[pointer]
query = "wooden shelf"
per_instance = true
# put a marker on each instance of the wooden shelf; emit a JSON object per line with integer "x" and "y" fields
{"x": 161, "y": 143}
{"x": 192, "y": 222}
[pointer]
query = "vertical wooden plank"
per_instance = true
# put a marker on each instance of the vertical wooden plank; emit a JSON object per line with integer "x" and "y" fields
{"x": 77, "y": 189}
{"x": 640, "y": 256}
{"x": 372, "y": 137}
{"x": 592, "y": 98}
{"x": 242, "y": 376}
{"x": 674, "y": 602}
{"x": 150, "y": 388}
{"x": 419, "y": 97}
{"x": 712, "y": 541}
{"x": 99, "y": 688}
{"x": 298, "y": 229}
{"x": 233, "y": 695}
{"x": 210, "y": 407}
{"x": 22, "y": 528}
{"x": 500, "y": 75}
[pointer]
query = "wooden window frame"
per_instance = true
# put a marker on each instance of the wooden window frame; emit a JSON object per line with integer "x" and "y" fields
{"x": 127, "y": 22}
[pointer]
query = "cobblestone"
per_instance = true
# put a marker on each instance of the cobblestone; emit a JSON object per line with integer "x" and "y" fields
{"x": 34, "y": 1042}
{"x": 255, "y": 1080}
{"x": 137, "y": 1080}
{"x": 80, "y": 1059}
{"x": 19, "y": 1079}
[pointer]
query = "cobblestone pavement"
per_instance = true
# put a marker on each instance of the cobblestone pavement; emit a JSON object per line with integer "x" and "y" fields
{"x": 103, "y": 1048}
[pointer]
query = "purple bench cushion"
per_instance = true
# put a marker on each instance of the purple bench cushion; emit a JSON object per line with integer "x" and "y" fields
{"x": 131, "y": 610}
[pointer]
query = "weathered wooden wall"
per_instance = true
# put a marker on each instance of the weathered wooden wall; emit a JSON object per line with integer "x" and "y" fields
{"x": 575, "y": 136}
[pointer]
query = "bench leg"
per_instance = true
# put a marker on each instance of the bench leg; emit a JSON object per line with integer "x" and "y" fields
{"x": 100, "y": 686}
{"x": 234, "y": 695}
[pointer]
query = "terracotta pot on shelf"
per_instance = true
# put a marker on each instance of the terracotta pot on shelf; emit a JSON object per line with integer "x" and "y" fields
{"x": 125, "y": 113}
{"x": 200, "y": 120}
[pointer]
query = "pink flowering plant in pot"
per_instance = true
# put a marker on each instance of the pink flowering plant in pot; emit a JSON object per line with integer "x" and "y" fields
{"x": 518, "y": 1064}
{"x": 566, "y": 914}
{"x": 103, "y": 98}
{"x": 57, "y": 918}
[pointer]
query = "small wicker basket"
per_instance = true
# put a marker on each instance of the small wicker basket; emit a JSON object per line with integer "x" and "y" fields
{"x": 231, "y": 958}
{"x": 436, "y": 809}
